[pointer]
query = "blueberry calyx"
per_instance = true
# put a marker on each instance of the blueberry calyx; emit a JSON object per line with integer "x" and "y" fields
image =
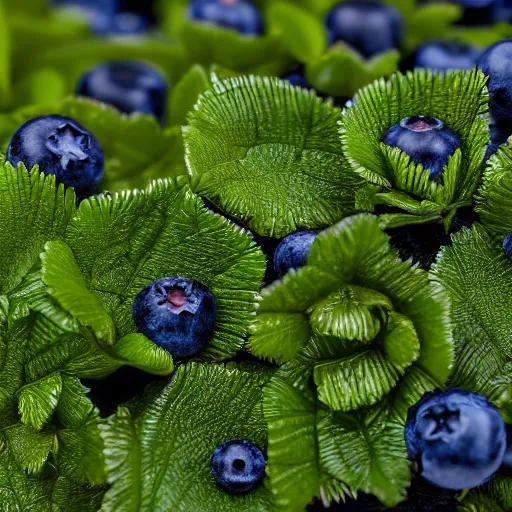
{"x": 238, "y": 466}
{"x": 176, "y": 313}
{"x": 69, "y": 143}
{"x": 421, "y": 124}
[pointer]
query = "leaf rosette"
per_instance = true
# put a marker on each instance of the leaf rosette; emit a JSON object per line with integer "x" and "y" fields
{"x": 362, "y": 335}
{"x": 459, "y": 100}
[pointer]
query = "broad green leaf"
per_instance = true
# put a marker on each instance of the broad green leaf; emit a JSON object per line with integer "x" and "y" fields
{"x": 494, "y": 201}
{"x": 267, "y": 154}
{"x": 38, "y": 400}
{"x": 458, "y": 99}
{"x": 185, "y": 93}
{"x": 123, "y": 242}
{"x": 341, "y": 71}
{"x": 66, "y": 284}
{"x": 139, "y": 152}
{"x": 477, "y": 276}
{"x": 159, "y": 459}
{"x": 34, "y": 211}
{"x": 302, "y": 33}
{"x": 367, "y": 456}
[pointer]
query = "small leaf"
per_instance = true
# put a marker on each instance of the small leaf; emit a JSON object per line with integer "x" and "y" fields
{"x": 160, "y": 458}
{"x": 400, "y": 341}
{"x": 302, "y": 33}
{"x": 274, "y": 172}
{"x": 38, "y": 400}
{"x": 144, "y": 354}
{"x": 67, "y": 285}
{"x": 341, "y": 71}
{"x": 367, "y": 457}
{"x": 186, "y": 93}
{"x": 30, "y": 448}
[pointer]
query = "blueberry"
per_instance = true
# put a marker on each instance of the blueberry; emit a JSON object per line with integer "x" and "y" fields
{"x": 499, "y": 134}
{"x": 502, "y": 11}
{"x": 98, "y": 12}
{"x": 507, "y": 245}
{"x": 298, "y": 80}
{"x": 368, "y": 27}
{"x": 426, "y": 140}
{"x": 60, "y": 146}
{"x": 293, "y": 251}
{"x": 176, "y": 313}
{"x": 129, "y": 86}
{"x": 445, "y": 55}
{"x": 238, "y": 15}
{"x": 496, "y": 63}
{"x": 457, "y": 438}
{"x": 238, "y": 466}
{"x": 127, "y": 23}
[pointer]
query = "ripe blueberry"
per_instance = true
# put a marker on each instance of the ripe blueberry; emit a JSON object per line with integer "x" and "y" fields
{"x": 426, "y": 140}
{"x": 129, "y": 86}
{"x": 507, "y": 245}
{"x": 496, "y": 63}
{"x": 177, "y": 313}
{"x": 293, "y": 251}
{"x": 238, "y": 466}
{"x": 502, "y": 11}
{"x": 457, "y": 438}
{"x": 99, "y": 13}
{"x": 60, "y": 146}
{"x": 238, "y": 15}
{"x": 299, "y": 80}
{"x": 127, "y": 23}
{"x": 445, "y": 55}
{"x": 367, "y": 26}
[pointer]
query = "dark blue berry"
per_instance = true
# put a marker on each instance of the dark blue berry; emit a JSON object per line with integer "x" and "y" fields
{"x": 238, "y": 466}
{"x": 99, "y": 13}
{"x": 177, "y": 313}
{"x": 127, "y": 23}
{"x": 368, "y": 27}
{"x": 293, "y": 251}
{"x": 496, "y": 63}
{"x": 507, "y": 245}
{"x": 129, "y": 86}
{"x": 60, "y": 146}
{"x": 238, "y": 15}
{"x": 426, "y": 140}
{"x": 457, "y": 438}
{"x": 502, "y": 11}
{"x": 499, "y": 134}
{"x": 298, "y": 80}
{"x": 445, "y": 55}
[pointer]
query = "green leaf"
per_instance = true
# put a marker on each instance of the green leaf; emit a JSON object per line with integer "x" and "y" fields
{"x": 140, "y": 152}
{"x": 290, "y": 414}
{"x": 5, "y": 57}
{"x": 302, "y": 33}
{"x": 159, "y": 460}
{"x": 267, "y": 154}
{"x": 66, "y": 284}
{"x": 341, "y": 71}
{"x": 34, "y": 210}
{"x": 185, "y": 94}
{"x": 495, "y": 194}
{"x": 477, "y": 276}
{"x": 40, "y": 87}
{"x": 494, "y": 496}
{"x": 458, "y": 99}
{"x": 122, "y": 243}
{"x": 209, "y": 44}
{"x": 369, "y": 456}
{"x": 38, "y": 400}
{"x": 30, "y": 448}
